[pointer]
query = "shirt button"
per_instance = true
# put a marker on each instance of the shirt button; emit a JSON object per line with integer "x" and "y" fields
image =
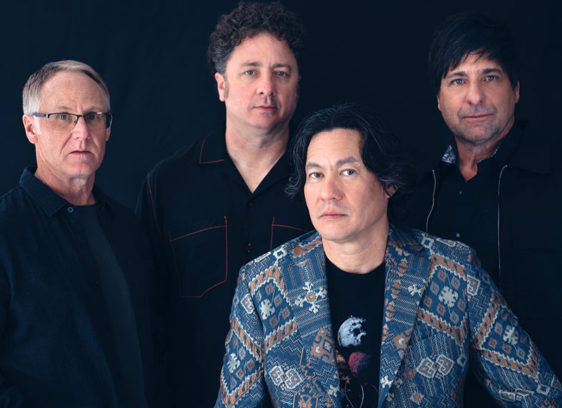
{"x": 70, "y": 210}
{"x": 460, "y": 192}
{"x": 457, "y": 234}
{"x": 249, "y": 247}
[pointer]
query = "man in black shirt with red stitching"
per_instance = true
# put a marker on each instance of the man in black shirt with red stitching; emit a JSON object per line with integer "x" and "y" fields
{"x": 219, "y": 203}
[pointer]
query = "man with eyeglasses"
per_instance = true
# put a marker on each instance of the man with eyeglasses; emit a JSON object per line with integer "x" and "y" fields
{"x": 219, "y": 202}
{"x": 74, "y": 264}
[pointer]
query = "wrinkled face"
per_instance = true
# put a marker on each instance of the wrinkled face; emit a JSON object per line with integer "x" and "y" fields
{"x": 346, "y": 202}
{"x": 260, "y": 84}
{"x": 477, "y": 101}
{"x": 73, "y": 153}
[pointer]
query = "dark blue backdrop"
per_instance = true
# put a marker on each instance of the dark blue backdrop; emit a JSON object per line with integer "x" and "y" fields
{"x": 152, "y": 54}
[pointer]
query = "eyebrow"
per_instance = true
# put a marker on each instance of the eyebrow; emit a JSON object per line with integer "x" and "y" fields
{"x": 339, "y": 163}
{"x": 259, "y": 64}
{"x": 485, "y": 71}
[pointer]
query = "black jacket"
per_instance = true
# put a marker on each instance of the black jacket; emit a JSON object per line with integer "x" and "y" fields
{"x": 529, "y": 241}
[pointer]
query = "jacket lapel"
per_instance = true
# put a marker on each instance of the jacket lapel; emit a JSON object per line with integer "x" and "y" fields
{"x": 406, "y": 279}
{"x": 308, "y": 295}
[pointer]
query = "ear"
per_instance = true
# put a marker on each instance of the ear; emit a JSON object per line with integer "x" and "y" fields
{"x": 516, "y": 91}
{"x": 107, "y": 133}
{"x": 438, "y": 102}
{"x": 390, "y": 190}
{"x": 221, "y": 85}
{"x": 30, "y": 127}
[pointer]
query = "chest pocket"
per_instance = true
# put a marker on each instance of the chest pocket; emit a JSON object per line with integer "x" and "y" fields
{"x": 200, "y": 259}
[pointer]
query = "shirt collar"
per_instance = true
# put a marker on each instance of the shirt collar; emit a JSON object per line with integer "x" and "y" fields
{"x": 213, "y": 149}
{"x": 501, "y": 155}
{"x": 46, "y": 198}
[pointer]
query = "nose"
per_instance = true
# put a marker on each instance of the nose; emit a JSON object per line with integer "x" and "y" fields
{"x": 266, "y": 85}
{"x": 331, "y": 188}
{"x": 475, "y": 93}
{"x": 80, "y": 129}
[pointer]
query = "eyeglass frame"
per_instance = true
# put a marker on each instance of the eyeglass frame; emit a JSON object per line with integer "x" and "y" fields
{"x": 108, "y": 116}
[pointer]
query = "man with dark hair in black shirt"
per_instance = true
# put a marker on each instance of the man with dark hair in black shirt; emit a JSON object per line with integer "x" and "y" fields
{"x": 362, "y": 313}
{"x": 74, "y": 264}
{"x": 498, "y": 186}
{"x": 219, "y": 203}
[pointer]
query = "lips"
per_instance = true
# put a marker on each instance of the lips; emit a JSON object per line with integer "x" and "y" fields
{"x": 477, "y": 116}
{"x": 332, "y": 214}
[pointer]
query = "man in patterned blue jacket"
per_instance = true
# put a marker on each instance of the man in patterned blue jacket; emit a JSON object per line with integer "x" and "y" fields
{"x": 363, "y": 313}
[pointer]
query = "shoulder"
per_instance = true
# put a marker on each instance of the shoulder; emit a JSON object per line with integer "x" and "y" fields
{"x": 433, "y": 252}
{"x": 13, "y": 205}
{"x": 284, "y": 256}
{"x": 186, "y": 156}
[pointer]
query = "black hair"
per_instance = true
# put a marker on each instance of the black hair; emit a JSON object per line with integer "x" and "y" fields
{"x": 380, "y": 148}
{"x": 247, "y": 20}
{"x": 471, "y": 32}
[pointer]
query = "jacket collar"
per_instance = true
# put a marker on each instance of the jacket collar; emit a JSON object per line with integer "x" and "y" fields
{"x": 406, "y": 278}
{"x": 47, "y": 199}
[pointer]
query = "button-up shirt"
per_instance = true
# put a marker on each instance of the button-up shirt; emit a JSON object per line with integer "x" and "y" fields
{"x": 59, "y": 348}
{"x": 205, "y": 224}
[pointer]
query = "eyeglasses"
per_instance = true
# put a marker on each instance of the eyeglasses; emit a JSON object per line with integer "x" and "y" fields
{"x": 67, "y": 121}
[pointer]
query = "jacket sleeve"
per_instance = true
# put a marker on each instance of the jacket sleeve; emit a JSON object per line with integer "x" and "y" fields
{"x": 242, "y": 381}
{"x": 10, "y": 396}
{"x": 503, "y": 356}
{"x": 159, "y": 288}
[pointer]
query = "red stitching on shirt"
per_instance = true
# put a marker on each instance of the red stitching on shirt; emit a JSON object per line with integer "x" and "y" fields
{"x": 226, "y": 263}
{"x": 282, "y": 226}
{"x": 197, "y": 232}
{"x": 201, "y": 155}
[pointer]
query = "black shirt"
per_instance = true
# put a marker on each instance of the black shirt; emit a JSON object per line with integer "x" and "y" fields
{"x": 205, "y": 224}
{"x": 57, "y": 343}
{"x": 356, "y": 311}
{"x": 467, "y": 210}
{"x": 128, "y": 370}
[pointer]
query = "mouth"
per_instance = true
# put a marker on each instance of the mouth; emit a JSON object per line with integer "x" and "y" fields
{"x": 80, "y": 153}
{"x": 477, "y": 116}
{"x": 331, "y": 215}
{"x": 268, "y": 108}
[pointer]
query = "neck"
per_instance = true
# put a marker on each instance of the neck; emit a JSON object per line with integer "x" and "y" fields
{"x": 77, "y": 191}
{"x": 359, "y": 257}
{"x": 469, "y": 155}
{"x": 255, "y": 154}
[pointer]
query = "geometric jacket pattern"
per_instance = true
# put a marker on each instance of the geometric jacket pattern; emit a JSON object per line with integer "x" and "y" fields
{"x": 442, "y": 315}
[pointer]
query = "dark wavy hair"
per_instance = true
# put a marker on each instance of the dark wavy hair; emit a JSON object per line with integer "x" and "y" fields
{"x": 471, "y": 32}
{"x": 247, "y": 20}
{"x": 380, "y": 149}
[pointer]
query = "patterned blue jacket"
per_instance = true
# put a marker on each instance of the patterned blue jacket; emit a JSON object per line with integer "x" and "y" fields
{"x": 442, "y": 313}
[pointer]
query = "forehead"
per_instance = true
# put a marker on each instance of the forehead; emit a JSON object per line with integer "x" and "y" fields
{"x": 69, "y": 88}
{"x": 474, "y": 62}
{"x": 335, "y": 144}
{"x": 262, "y": 48}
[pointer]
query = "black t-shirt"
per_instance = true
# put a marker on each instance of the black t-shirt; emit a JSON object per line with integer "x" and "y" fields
{"x": 356, "y": 309}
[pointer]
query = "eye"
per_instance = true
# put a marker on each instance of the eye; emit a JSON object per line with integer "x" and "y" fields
{"x": 250, "y": 72}
{"x": 457, "y": 81}
{"x": 62, "y": 116}
{"x": 314, "y": 175}
{"x": 91, "y": 117}
{"x": 490, "y": 78}
{"x": 348, "y": 172}
{"x": 282, "y": 74}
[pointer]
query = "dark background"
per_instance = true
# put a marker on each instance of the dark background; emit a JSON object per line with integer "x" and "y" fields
{"x": 152, "y": 55}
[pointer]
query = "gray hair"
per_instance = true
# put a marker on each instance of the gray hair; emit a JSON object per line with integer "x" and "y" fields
{"x": 32, "y": 90}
